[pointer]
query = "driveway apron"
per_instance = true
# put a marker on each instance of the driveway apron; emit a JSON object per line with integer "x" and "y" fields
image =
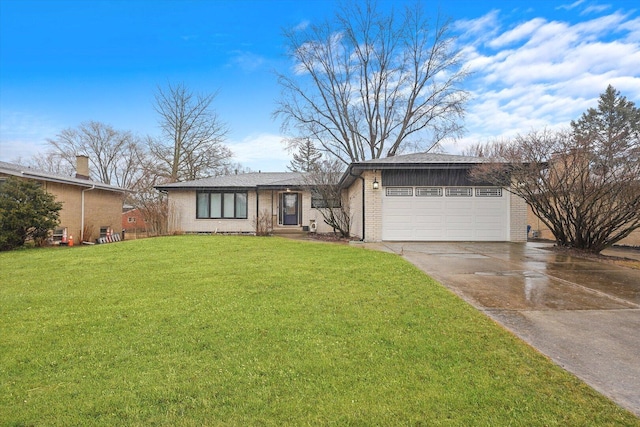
{"x": 584, "y": 315}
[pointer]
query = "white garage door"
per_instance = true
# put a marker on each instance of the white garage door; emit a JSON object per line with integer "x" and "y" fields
{"x": 445, "y": 214}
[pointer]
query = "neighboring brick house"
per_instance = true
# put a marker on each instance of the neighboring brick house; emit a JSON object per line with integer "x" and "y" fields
{"x": 89, "y": 209}
{"x": 133, "y": 221}
{"x": 540, "y": 231}
{"x": 414, "y": 197}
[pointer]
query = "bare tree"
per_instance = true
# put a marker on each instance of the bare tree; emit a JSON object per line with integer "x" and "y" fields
{"x": 49, "y": 161}
{"x": 328, "y": 196}
{"x": 368, "y": 85}
{"x": 152, "y": 205}
{"x": 489, "y": 149}
{"x": 191, "y": 142}
{"x": 113, "y": 154}
{"x": 584, "y": 183}
{"x": 234, "y": 168}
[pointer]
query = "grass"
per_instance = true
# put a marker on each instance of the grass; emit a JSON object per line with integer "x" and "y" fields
{"x": 200, "y": 330}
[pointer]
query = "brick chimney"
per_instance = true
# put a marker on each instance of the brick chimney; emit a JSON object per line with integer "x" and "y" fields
{"x": 82, "y": 167}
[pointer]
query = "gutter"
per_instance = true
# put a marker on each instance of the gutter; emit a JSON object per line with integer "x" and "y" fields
{"x": 100, "y": 186}
{"x": 82, "y": 213}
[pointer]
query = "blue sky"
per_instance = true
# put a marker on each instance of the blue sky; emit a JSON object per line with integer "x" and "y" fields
{"x": 534, "y": 64}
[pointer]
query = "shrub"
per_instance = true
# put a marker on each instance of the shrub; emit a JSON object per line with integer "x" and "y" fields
{"x": 27, "y": 211}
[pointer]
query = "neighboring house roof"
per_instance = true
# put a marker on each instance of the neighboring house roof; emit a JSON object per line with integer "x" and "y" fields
{"x": 27, "y": 172}
{"x": 255, "y": 180}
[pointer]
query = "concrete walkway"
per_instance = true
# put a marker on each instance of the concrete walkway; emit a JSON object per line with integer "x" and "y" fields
{"x": 584, "y": 315}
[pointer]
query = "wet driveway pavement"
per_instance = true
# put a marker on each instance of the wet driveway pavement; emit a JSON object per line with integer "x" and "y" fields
{"x": 584, "y": 315}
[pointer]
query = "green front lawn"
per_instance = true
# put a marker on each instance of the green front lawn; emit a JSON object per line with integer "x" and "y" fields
{"x": 202, "y": 330}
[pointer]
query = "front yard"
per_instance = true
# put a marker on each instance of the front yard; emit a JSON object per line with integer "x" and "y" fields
{"x": 202, "y": 330}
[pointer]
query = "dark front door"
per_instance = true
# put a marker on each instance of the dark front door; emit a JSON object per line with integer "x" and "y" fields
{"x": 290, "y": 209}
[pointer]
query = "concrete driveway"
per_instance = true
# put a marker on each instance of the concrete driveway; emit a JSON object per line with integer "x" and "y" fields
{"x": 584, "y": 315}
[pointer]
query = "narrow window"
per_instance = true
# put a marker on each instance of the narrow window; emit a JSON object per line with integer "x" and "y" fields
{"x": 459, "y": 192}
{"x": 428, "y": 191}
{"x": 399, "y": 191}
{"x": 202, "y": 208}
{"x": 318, "y": 201}
{"x": 216, "y": 205}
{"x": 228, "y": 205}
{"x": 241, "y": 205}
{"x": 489, "y": 192}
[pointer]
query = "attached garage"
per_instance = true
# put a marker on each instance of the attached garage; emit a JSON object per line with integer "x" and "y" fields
{"x": 431, "y": 197}
{"x": 445, "y": 214}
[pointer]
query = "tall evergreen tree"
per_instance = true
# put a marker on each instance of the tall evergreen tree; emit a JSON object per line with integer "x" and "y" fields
{"x": 612, "y": 129}
{"x": 307, "y": 157}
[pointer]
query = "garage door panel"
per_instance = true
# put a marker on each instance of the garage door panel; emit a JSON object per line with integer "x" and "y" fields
{"x": 428, "y": 235}
{"x": 445, "y": 218}
{"x": 429, "y": 217}
{"x": 459, "y": 220}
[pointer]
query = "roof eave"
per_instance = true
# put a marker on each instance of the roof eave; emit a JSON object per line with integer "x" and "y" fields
{"x": 355, "y": 169}
{"x": 88, "y": 184}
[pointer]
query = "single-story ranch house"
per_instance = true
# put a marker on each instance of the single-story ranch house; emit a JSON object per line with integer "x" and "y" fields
{"x": 414, "y": 197}
{"x": 89, "y": 209}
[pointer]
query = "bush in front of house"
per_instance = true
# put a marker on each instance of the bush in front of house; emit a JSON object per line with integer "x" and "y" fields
{"x": 27, "y": 212}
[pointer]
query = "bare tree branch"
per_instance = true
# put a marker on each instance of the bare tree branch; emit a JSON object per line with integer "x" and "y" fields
{"x": 191, "y": 144}
{"x": 112, "y": 153}
{"x": 583, "y": 183}
{"x": 323, "y": 180}
{"x": 369, "y": 85}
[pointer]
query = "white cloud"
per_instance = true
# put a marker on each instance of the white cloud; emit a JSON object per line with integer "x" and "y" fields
{"x": 595, "y": 8}
{"x": 571, "y": 5}
{"x": 246, "y": 61}
{"x": 263, "y": 151}
{"x": 480, "y": 29}
{"x": 633, "y": 28}
{"x": 301, "y": 26}
{"x": 543, "y": 73}
{"x": 520, "y": 32}
{"x": 24, "y": 135}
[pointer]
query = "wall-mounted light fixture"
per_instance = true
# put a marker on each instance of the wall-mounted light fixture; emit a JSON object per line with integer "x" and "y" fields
{"x": 375, "y": 183}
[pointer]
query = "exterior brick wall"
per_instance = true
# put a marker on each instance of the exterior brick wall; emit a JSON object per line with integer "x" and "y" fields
{"x": 373, "y": 207}
{"x": 354, "y": 199}
{"x": 517, "y": 219}
{"x": 101, "y": 209}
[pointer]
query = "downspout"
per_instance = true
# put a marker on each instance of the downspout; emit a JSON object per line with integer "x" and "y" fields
{"x": 82, "y": 212}
{"x": 363, "y": 205}
{"x": 257, "y": 207}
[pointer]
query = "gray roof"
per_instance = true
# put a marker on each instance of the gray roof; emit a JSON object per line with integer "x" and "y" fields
{"x": 412, "y": 161}
{"x": 257, "y": 180}
{"x": 423, "y": 159}
{"x": 27, "y": 172}
{"x": 243, "y": 180}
